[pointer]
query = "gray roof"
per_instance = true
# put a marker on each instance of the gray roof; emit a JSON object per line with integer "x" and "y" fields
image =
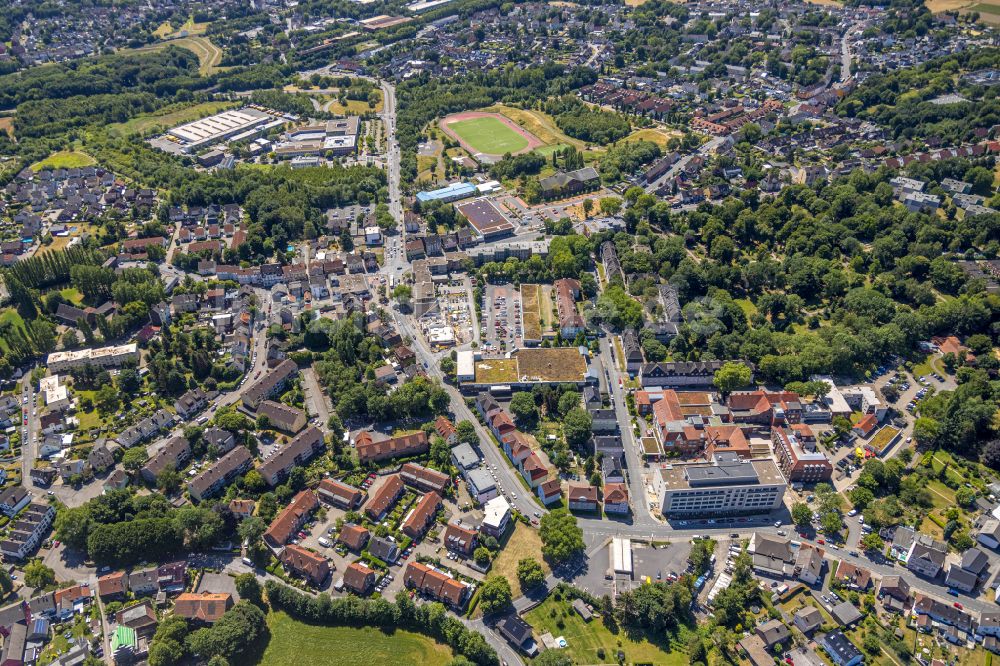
{"x": 845, "y": 613}
{"x": 465, "y": 455}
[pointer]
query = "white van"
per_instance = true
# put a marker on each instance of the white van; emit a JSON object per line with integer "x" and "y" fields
{"x": 326, "y": 543}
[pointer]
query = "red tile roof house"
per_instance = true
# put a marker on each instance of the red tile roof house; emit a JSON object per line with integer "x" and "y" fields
{"x": 616, "y": 498}
{"x": 460, "y": 540}
{"x": 358, "y": 578}
{"x": 516, "y": 447}
{"x": 421, "y": 516}
{"x": 291, "y": 519}
{"x": 534, "y": 470}
{"x": 354, "y": 537}
{"x": 435, "y": 584}
{"x": 424, "y": 478}
{"x": 866, "y": 426}
{"x": 395, "y": 447}
{"x": 314, "y": 568}
{"x": 112, "y": 585}
{"x": 550, "y": 491}
{"x": 446, "y": 429}
{"x": 340, "y": 494}
{"x": 582, "y": 496}
{"x": 383, "y": 499}
{"x": 204, "y": 607}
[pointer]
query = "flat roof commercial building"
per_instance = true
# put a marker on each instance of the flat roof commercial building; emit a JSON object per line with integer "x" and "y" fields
{"x": 487, "y": 220}
{"x": 452, "y": 192}
{"x": 213, "y": 129}
{"x": 727, "y": 486}
{"x": 621, "y": 556}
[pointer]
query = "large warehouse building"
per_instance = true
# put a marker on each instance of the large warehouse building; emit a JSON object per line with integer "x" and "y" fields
{"x": 236, "y": 124}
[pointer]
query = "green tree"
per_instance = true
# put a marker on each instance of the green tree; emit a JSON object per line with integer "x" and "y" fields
{"x": 831, "y": 523}
{"x": 135, "y": 458}
{"x": 37, "y": 575}
{"x": 801, "y": 514}
{"x": 965, "y": 496}
{"x": 249, "y": 588}
{"x": 562, "y": 538}
{"x": 529, "y": 573}
{"x": 466, "y": 432}
{"x": 482, "y": 556}
{"x": 926, "y": 431}
{"x": 494, "y": 594}
{"x": 552, "y": 658}
{"x": 577, "y": 427}
{"x": 872, "y": 542}
{"x": 732, "y": 376}
{"x": 523, "y": 407}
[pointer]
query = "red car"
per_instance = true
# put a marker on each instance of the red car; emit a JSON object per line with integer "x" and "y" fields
{"x": 802, "y": 535}
{"x": 820, "y": 541}
{"x": 958, "y": 605}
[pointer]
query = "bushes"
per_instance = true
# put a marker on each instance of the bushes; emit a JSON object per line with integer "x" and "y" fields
{"x": 428, "y": 619}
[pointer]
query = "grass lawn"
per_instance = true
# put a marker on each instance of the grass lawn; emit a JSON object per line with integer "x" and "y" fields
{"x": 72, "y": 294}
{"x": 539, "y": 124}
{"x": 7, "y": 125}
{"x": 12, "y": 317}
{"x": 295, "y": 643}
{"x": 548, "y": 150}
{"x": 659, "y": 137}
{"x": 523, "y": 542}
{"x": 64, "y": 159}
{"x": 749, "y": 309}
{"x": 165, "y": 30}
{"x": 584, "y": 639}
{"x": 354, "y": 106}
{"x": 166, "y": 118}
{"x": 488, "y": 135}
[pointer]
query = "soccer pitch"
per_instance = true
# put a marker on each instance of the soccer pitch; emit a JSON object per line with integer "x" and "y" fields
{"x": 488, "y": 135}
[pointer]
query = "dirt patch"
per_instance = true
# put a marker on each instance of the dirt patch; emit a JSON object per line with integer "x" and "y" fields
{"x": 533, "y": 141}
{"x": 7, "y": 125}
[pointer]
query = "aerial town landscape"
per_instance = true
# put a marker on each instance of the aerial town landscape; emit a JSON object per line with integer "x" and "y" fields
{"x": 466, "y": 332}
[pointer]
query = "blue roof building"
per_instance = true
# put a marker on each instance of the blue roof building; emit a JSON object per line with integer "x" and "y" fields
{"x": 453, "y": 192}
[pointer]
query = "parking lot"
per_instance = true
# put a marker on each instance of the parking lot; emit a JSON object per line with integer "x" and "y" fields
{"x": 501, "y": 318}
{"x": 661, "y": 560}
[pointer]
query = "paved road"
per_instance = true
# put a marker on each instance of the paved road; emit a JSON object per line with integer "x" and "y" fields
{"x": 641, "y": 514}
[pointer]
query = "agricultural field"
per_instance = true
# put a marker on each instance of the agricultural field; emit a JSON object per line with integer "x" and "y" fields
{"x": 530, "y": 313}
{"x": 164, "y": 119}
{"x": 295, "y": 643}
{"x": 64, "y": 159}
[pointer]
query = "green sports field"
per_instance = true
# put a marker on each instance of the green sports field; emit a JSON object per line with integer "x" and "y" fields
{"x": 488, "y": 135}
